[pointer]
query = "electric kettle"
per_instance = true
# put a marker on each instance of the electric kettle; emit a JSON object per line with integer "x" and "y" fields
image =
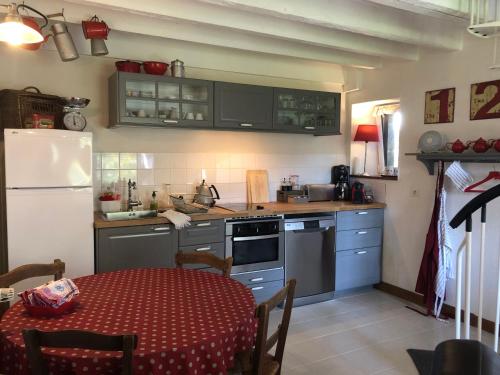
{"x": 204, "y": 194}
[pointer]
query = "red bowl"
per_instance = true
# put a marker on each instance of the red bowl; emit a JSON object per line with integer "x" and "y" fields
{"x": 155, "y": 67}
{"x": 50, "y": 312}
{"x": 128, "y": 66}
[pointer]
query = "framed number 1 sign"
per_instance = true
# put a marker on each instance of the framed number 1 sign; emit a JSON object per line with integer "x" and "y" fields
{"x": 439, "y": 106}
{"x": 485, "y": 100}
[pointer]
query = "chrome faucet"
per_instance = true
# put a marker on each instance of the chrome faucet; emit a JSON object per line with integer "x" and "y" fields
{"x": 132, "y": 203}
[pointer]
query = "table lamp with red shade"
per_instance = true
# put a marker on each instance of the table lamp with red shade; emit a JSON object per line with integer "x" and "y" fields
{"x": 366, "y": 133}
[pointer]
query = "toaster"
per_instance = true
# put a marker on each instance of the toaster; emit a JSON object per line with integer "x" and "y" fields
{"x": 320, "y": 192}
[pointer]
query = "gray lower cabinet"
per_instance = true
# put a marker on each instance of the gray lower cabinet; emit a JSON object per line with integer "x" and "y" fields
{"x": 263, "y": 284}
{"x": 135, "y": 247}
{"x": 358, "y": 248}
{"x": 203, "y": 236}
{"x": 244, "y": 107}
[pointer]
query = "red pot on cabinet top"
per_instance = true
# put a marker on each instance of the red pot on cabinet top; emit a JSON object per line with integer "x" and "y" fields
{"x": 155, "y": 67}
{"x": 128, "y": 66}
{"x": 495, "y": 143}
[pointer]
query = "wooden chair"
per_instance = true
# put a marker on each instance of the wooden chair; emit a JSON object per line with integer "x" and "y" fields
{"x": 263, "y": 363}
{"x": 28, "y": 271}
{"x": 209, "y": 259}
{"x": 35, "y": 340}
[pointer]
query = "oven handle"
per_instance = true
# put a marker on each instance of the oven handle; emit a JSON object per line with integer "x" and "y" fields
{"x": 312, "y": 230}
{"x": 253, "y": 238}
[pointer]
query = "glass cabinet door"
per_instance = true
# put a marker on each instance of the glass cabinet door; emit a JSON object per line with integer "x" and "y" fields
{"x": 139, "y": 101}
{"x": 168, "y": 91}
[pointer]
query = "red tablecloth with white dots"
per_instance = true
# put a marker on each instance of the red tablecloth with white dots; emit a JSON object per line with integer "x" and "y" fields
{"x": 187, "y": 322}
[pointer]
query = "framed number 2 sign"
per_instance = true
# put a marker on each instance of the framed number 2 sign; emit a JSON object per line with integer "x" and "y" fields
{"x": 439, "y": 106}
{"x": 485, "y": 100}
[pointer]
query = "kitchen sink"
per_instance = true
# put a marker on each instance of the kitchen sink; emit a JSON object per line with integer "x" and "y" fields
{"x": 129, "y": 215}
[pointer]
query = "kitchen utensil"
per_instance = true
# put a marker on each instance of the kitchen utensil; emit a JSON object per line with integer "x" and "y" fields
{"x": 128, "y": 66}
{"x": 457, "y": 147}
{"x": 358, "y": 193}
{"x": 341, "y": 178}
{"x": 199, "y": 117}
{"x": 64, "y": 42}
{"x": 495, "y": 144}
{"x": 294, "y": 179}
{"x": 187, "y": 208}
{"x": 257, "y": 186}
{"x": 320, "y": 192}
{"x": 189, "y": 116}
{"x": 177, "y": 68}
{"x": 286, "y": 185}
{"x": 479, "y": 145}
{"x": 431, "y": 141}
{"x": 284, "y": 196}
{"x": 205, "y": 196}
{"x": 155, "y": 67}
{"x": 95, "y": 28}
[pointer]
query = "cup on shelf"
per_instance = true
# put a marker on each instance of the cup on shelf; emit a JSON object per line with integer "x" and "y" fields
{"x": 173, "y": 114}
{"x": 199, "y": 117}
{"x": 141, "y": 113}
{"x": 190, "y": 116}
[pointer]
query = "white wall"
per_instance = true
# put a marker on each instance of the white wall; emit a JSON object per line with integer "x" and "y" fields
{"x": 408, "y": 215}
{"x": 88, "y": 77}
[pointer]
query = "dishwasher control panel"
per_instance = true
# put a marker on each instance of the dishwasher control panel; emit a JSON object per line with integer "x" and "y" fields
{"x": 301, "y": 225}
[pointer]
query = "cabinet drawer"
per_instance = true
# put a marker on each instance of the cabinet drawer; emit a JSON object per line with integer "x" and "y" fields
{"x": 354, "y": 239}
{"x": 359, "y": 219}
{"x": 202, "y": 232}
{"x": 264, "y": 291}
{"x": 216, "y": 249}
{"x": 257, "y": 277}
{"x": 357, "y": 268}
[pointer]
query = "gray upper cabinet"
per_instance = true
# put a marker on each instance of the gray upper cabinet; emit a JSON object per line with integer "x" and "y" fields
{"x": 243, "y": 106}
{"x": 303, "y": 111}
{"x": 148, "y": 100}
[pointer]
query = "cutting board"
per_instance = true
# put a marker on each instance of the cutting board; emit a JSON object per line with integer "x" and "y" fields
{"x": 257, "y": 186}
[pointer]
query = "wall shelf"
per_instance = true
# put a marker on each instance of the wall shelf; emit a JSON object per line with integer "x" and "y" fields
{"x": 428, "y": 159}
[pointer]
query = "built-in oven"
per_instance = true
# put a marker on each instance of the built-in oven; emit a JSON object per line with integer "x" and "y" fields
{"x": 255, "y": 243}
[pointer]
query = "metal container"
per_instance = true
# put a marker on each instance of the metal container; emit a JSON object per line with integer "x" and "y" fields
{"x": 64, "y": 42}
{"x": 177, "y": 68}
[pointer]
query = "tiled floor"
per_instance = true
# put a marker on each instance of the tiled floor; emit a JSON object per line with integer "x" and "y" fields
{"x": 365, "y": 333}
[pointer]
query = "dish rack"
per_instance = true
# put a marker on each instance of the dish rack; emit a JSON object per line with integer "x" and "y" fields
{"x": 187, "y": 208}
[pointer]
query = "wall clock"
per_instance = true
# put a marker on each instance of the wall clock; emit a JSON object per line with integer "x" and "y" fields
{"x": 439, "y": 106}
{"x": 485, "y": 100}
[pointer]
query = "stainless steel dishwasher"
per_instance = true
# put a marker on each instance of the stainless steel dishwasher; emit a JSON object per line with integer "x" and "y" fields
{"x": 310, "y": 256}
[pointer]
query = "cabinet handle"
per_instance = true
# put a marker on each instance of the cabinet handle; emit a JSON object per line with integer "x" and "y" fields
{"x": 257, "y": 279}
{"x": 258, "y": 288}
{"x": 203, "y": 248}
{"x": 246, "y": 125}
{"x": 138, "y": 235}
{"x": 361, "y": 252}
{"x": 362, "y": 213}
{"x": 161, "y": 229}
{"x": 362, "y": 232}
{"x": 171, "y": 121}
{"x": 204, "y": 224}
{"x": 309, "y": 127}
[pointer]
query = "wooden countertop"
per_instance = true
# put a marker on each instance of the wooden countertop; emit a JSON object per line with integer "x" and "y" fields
{"x": 221, "y": 213}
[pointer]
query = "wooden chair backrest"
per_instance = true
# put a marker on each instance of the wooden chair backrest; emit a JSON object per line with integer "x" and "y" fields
{"x": 264, "y": 344}
{"x": 209, "y": 259}
{"x": 28, "y": 271}
{"x": 35, "y": 340}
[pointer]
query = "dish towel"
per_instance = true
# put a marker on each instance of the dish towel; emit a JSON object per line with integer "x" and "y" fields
{"x": 459, "y": 176}
{"x": 445, "y": 270}
{"x": 179, "y": 219}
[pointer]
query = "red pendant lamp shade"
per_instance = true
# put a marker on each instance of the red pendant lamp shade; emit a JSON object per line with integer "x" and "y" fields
{"x": 367, "y": 133}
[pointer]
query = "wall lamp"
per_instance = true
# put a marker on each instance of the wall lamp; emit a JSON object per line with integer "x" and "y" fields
{"x": 25, "y": 31}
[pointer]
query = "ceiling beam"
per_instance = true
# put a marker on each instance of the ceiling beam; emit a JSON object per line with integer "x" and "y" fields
{"x": 451, "y": 10}
{"x": 165, "y": 27}
{"x": 361, "y": 17}
{"x": 231, "y": 20}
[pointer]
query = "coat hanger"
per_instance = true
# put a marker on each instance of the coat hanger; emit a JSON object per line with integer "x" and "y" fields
{"x": 493, "y": 175}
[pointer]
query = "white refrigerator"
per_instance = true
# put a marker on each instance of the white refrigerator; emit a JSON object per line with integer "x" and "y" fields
{"x": 48, "y": 175}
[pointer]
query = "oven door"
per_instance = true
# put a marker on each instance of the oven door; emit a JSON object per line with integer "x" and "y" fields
{"x": 256, "y": 253}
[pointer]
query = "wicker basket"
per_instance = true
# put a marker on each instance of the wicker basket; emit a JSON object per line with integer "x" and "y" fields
{"x": 18, "y": 106}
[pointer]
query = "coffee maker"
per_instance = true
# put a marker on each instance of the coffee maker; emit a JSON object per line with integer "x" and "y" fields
{"x": 341, "y": 179}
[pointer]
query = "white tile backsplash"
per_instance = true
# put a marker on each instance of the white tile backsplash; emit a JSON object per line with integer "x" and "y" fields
{"x": 177, "y": 173}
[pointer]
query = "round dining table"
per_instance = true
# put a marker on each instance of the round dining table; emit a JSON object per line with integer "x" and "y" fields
{"x": 187, "y": 322}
